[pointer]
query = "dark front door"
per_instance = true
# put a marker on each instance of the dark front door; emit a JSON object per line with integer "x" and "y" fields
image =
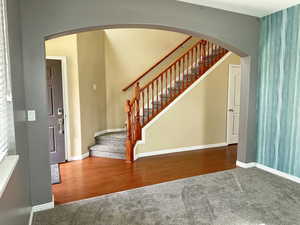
{"x": 55, "y": 112}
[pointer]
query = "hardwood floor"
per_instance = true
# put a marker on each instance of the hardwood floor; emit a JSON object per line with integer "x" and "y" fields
{"x": 98, "y": 176}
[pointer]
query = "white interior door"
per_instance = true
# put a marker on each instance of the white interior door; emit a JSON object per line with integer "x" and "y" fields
{"x": 233, "y": 106}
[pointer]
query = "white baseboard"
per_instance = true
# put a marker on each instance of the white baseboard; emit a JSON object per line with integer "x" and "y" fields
{"x": 42, "y": 207}
{"x": 278, "y": 173}
{"x": 30, "y": 218}
{"x": 38, "y": 208}
{"x": 245, "y": 165}
{"x": 174, "y": 150}
{"x": 269, "y": 169}
{"x": 80, "y": 157}
{"x": 108, "y": 131}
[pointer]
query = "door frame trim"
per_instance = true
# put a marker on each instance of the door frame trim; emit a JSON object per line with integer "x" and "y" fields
{"x": 64, "y": 73}
{"x": 228, "y": 100}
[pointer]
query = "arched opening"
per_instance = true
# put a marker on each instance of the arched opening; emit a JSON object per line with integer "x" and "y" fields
{"x": 80, "y": 38}
{"x": 234, "y": 49}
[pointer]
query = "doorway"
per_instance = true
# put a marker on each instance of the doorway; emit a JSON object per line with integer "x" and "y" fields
{"x": 233, "y": 106}
{"x": 58, "y": 122}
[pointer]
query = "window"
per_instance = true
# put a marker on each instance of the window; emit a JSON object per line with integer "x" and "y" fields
{"x": 6, "y": 116}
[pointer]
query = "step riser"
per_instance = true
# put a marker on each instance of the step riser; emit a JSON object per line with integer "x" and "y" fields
{"x": 110, "y": 142}
{"x": 109, "y": 148}
{"x": 105, "y": 148}
{"x": 107, "y": 155}
{"x": 111, "y": 138}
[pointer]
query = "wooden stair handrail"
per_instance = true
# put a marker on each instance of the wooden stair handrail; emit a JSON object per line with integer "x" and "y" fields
{"x": 177, "y": 60}
{"x": 156, "y": 64}
{"x": 149, "y": 100}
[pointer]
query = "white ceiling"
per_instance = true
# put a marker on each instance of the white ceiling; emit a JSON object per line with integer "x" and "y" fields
{"x": 258, "y": 8}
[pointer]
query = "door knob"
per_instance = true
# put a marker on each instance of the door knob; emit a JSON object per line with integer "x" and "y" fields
{"x": 60, "y": 111}
{"x": 230, "y": 110}
{"x": 60, "y": 126}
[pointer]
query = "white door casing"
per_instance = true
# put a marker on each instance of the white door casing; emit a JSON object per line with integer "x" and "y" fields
{"x": 233, "y": 106}
{"x": 63, "y": 60}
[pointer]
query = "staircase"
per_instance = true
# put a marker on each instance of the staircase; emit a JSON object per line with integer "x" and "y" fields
{"x": 149, "y": 100}
{"x": 110, "y": 145}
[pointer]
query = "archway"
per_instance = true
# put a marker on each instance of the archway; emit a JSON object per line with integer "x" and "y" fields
{"x": 39, "y": 23}
{"x": 115, "y": 27}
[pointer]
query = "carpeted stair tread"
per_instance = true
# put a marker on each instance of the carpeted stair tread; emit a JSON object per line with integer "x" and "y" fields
{"x": 113, "y": 135}
{"x": 110, "y": 145}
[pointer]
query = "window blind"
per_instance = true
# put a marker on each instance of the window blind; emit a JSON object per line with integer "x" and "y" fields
{"x": 5, "y": 87}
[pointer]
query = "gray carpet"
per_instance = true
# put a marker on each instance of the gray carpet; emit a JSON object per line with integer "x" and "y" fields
{"x": 233, "y": 197}
{"x": 55, "y": 174}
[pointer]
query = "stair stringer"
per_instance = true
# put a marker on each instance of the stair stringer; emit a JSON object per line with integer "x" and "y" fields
{"x": 165, "y": 110}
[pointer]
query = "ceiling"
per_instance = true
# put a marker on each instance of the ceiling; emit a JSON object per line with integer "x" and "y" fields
{"x": 257, "y": 8}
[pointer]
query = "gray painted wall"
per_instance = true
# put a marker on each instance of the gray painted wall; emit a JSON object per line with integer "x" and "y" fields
{"x": 41, "y": 19}
{"x": 15, "y": 202}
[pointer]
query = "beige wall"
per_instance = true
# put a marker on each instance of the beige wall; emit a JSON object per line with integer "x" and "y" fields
{"x": 199, "y": 118}
{"x": 85, "y": 68}
{"x": 129, "y": 53}
{"x": 67, "y": 46}
{"x": 91, "y": 68}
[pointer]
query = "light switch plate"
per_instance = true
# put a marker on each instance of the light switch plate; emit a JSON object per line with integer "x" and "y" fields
{"x": 31, "y": 115}
{"x": 94, "y": 87}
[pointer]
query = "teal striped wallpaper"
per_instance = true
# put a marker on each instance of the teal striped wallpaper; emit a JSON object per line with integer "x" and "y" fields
{"x": 278, "y": 139}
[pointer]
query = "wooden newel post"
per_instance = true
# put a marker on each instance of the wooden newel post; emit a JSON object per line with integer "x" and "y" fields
{"x": 138, "y": 128}
{"x": 129, "y": 146}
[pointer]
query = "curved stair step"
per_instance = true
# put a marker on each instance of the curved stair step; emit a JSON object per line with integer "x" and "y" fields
{"x": 110, "y": 142}
{"x": 108, "y": 148}
{"x": 108, "y": 155}
{"x": 113, "y": 138}
{"x": 110, "y": 145}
